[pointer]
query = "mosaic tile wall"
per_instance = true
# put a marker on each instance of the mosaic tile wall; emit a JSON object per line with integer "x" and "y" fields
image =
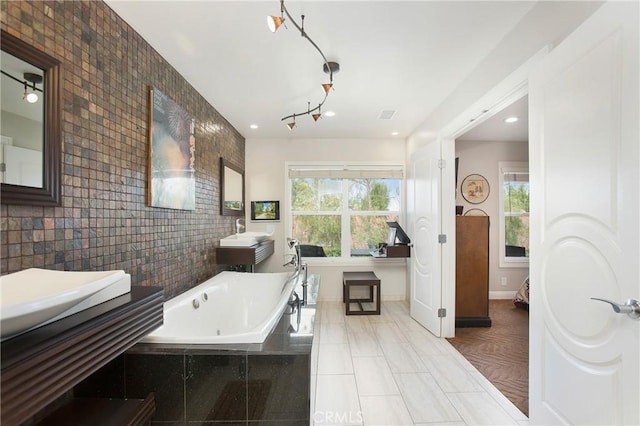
{"x": 104, "y": 222}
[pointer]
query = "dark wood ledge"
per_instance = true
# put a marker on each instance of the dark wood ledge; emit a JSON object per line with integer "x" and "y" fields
{"x": 43, "y": 364}
{"x": 244, "y": 255}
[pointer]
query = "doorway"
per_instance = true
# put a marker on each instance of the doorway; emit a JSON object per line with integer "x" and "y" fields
{"x": 499, "y": 352}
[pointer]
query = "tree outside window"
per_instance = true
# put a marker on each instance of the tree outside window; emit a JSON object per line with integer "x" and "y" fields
{"x": 345, "y": 215}
{"x": 514, "y": 214}
{"x": 516, "y": 210}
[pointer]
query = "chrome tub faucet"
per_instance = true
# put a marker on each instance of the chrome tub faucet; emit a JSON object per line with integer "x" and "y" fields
{"x": 299, "y": 267}
{"x": 240, "y": 225}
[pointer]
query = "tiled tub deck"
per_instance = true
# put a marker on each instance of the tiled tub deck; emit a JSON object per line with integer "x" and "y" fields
{"x": 235, "y": 384}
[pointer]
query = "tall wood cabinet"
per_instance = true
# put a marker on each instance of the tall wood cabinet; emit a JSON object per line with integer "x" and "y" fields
{"x": 472, "y": 271}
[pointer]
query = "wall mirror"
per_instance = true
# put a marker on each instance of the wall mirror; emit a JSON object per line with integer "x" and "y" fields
{"x": 232, "y": 189}
{"x": 30, "y": 148}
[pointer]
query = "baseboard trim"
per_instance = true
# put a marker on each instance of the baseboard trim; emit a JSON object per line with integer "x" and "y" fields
{"x": 389, "y": 298}
{"x": 505, "y": 294}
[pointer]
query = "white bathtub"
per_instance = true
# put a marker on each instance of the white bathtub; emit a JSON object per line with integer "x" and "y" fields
{"x": 233, "y": 307}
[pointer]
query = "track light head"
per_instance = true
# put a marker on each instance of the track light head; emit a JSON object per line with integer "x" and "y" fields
{"x": 274, "y": 22}
{"x": 31, "y": 97}
{"x": 291, "y": 125}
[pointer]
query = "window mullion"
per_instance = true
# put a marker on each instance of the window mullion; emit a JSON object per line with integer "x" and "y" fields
{"x": 346, "y": 221}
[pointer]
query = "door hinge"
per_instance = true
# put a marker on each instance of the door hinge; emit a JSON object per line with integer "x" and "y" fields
{"x": 442, "y": 238}
{"x": 442, "y": 312}
{"x": 442, "y": 163}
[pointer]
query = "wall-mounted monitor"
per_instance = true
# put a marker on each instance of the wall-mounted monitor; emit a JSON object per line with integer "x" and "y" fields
{"x": 265, "y": 210}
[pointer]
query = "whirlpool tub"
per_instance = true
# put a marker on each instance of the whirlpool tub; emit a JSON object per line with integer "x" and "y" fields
{"x": 231, "y": 307}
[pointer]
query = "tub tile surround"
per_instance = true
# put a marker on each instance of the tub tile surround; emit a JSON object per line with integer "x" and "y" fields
{"x": 391, "y": 371}
{"x": 213, "y": 388}
{"x": 244, "y": 384}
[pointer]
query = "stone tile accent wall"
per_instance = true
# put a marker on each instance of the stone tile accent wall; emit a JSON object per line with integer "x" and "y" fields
{"x": 104, "y": 222}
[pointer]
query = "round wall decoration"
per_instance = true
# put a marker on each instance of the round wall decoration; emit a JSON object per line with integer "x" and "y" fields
{"x": 475, "y": 212}
{"x": 475, "y": 189}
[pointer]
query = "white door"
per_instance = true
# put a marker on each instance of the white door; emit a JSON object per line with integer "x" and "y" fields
{"x": 425, "y": 263}
{"x": 584, "y": 160}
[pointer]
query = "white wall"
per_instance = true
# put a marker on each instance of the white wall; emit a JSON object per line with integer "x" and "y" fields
{"x": 265, "y": 179}
{"x": 25, "y": 133}
{"x": 482, "y": 158}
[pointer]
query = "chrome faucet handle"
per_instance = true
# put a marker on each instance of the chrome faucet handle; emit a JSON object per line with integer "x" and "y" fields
{"x": 292, "y": 242}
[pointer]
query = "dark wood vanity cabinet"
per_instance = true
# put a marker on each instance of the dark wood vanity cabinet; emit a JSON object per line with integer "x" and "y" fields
{"x": 44, "y": 364}
{"x": 472, "y": 271}
{"x": 250, "y": 256}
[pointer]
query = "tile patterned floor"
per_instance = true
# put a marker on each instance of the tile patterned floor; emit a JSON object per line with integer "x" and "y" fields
{"x": 389, "y": 370}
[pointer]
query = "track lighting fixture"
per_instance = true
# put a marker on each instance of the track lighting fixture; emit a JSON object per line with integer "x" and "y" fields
{"x": 30, "y": 94}
{"x": 33, "y": 79}
{"x": 274, "y": 23}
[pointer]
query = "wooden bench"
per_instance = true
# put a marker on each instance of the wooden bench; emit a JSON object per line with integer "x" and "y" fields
{"x": 367, "y": 279}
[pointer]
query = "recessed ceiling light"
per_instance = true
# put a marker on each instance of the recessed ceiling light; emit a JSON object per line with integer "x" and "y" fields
{"x": 394, "y": 133}
{"x": 254, "y": 126}
{"x": 329, "y": 113}
{"x": 511, "y": 119}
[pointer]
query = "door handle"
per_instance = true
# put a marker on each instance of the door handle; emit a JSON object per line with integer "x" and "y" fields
{"x": 631, "y": 307}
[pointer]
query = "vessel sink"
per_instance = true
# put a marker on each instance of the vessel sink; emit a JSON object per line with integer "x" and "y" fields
{"x": 244, "y": 239}
{"x": 34, "y": 297}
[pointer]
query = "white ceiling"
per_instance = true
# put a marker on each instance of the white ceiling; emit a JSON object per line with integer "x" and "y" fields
{"x": 406, "y": 56}
{"x": 495, "y": 129}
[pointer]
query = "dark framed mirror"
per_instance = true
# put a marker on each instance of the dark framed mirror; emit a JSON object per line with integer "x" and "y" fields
{"x": 44, "y": 191}
{"x": 231, "y": 189}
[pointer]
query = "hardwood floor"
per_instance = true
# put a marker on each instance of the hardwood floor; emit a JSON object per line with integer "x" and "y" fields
{"x": 500, "y": 352}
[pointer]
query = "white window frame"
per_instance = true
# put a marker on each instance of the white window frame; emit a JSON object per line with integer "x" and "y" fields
{"x": 345, "y": 237}
{"x": 503, "y": 168}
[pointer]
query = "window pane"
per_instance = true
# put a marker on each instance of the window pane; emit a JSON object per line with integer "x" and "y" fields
{"x": 367, "y": 232}
{"x": 319, "y": 230}
{"x": 516, "y": 214}
{"x": 374, "y": 194}
{"x": 316, "y": 194}
{"x": 517, "y": 236}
